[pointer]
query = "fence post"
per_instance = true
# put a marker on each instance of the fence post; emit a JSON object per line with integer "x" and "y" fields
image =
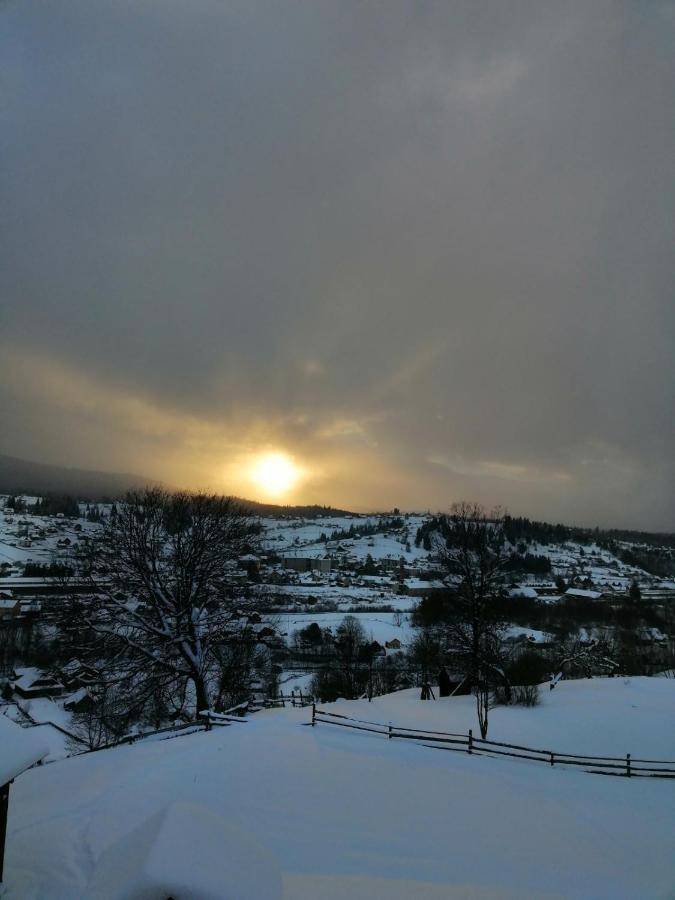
{"x": 551, "y": 758}
{"x": 389, "y": 731}
{"x": 470, "y": 740}
{"x": 313, "y": 713}
{"x": 628, "y": 764}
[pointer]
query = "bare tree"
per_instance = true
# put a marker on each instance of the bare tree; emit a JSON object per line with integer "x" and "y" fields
{"x": 162, "y": 612}
{"x": 471, "y": 552}
{"x": 99, "y": 723}
{"x": 585, "y": 657}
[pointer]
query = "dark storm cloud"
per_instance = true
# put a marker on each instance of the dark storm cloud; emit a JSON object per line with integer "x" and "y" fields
{"x": 425, "y": 247}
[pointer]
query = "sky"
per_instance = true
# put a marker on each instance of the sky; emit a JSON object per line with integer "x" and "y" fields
{"x": 419, "y": 252}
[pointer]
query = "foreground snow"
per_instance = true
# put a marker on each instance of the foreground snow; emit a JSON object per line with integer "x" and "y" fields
{"x": 346, "y": 814}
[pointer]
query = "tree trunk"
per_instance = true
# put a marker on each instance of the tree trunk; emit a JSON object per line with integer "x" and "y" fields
{"x": 482, "y": 707}
{"x": 201, "y": 693}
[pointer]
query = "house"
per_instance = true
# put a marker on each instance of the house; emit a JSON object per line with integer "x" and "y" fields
{"x": 307, "y": 564}
{"x": 416, "y": 587}
{"x": 9, "y": 608}
{"x": 80, "y": 701}
{"x": 393, "y": 644}
{"x": 31, "y": 607}
{"x": 249, "y": 562}
{"x": 524, "y": 592}
{"x": 32, "y": 682}
{"x": 21, "y": 749}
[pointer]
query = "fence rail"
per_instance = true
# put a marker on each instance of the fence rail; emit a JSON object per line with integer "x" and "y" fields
{"x": 626, "y": 765}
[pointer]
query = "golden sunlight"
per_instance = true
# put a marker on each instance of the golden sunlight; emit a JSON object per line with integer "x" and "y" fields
{"x": 275, "y": 473}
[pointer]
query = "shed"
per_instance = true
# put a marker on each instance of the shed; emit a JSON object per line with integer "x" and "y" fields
{"x": 21, "y": 749}
{"x": 9, "y": 608}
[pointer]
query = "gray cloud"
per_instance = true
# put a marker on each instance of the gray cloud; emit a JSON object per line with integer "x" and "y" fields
{"x": 425, "y": 248}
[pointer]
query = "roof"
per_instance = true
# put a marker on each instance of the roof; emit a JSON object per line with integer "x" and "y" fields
{"x": 21, "y": 749}
{"x": 523, "y": 591}
{"x": 32, "y": 677}
{"x": 580, "y": 592}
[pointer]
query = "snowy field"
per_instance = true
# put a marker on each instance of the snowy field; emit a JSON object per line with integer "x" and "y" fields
{"x": 598, "y": 716}
{"x": 350, "y": 815}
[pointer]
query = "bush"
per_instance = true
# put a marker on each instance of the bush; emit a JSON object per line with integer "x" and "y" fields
{"x": 526, "y": 695}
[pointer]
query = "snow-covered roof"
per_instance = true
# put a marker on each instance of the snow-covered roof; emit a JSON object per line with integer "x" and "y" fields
{"x": 420, "y": 584}
{"x": 26, "y": 678}
{"x": 582, "y": 592}
{"x": 76, "y": 696}
{"x": 523, "y": 591}
{"x": 20, "y": 749}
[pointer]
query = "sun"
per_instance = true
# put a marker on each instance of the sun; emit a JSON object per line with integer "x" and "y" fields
{"x": 275, "y": 473}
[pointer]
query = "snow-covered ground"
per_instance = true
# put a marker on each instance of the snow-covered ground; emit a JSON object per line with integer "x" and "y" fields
{"x": 352, "y": 815}
{"x": 597, "y": 716}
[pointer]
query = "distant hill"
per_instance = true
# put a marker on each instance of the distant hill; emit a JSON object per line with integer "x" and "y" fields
{"x": 306, "y": 512}
{"x": 22, "y": 476}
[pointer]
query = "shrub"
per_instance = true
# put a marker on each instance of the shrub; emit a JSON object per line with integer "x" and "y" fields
{"x": 526, "y": 695}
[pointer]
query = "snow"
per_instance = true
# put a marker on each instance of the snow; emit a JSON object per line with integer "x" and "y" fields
{"x": 523, "y": 591}
{"x": 352, "y": 815}
{"x": 292, "y": 681}
{"x": 20, "y": 748}
{"x": 8, "y": 604}
{"x": 533, "y": 635}
{"x": 45, "y": 711}
{"x": 596, "y": 716}
{"x": 186, "y": 850}
{"x": 579, "y": 592}
{"x": 47, "y": 714}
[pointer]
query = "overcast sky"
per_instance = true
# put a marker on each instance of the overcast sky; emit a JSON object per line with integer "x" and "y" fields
{"x": 426, "y": 249}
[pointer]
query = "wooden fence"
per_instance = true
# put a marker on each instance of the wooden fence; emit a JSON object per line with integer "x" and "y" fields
{"x": 294, "y": 699}
{"x": 467, "y": 743}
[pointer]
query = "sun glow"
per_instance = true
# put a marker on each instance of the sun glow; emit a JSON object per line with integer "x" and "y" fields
{"x": 275, "y": 474}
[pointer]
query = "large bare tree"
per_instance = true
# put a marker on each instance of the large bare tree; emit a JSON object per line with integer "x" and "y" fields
{"x": 470, "y": 548}
{"x": 163, "y": 615}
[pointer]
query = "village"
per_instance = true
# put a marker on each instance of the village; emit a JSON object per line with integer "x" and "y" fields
{"x": 305, "y": 577}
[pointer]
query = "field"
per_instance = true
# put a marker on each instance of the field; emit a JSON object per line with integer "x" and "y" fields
{"x": 341, "y": 814}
